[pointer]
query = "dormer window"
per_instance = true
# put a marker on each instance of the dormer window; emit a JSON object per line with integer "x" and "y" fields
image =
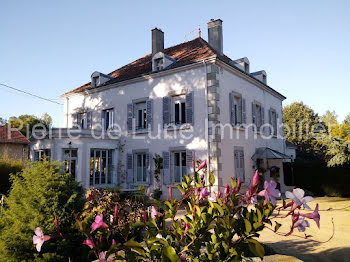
{"x": 159, "y": 63}
{"x": 95, "y": 81}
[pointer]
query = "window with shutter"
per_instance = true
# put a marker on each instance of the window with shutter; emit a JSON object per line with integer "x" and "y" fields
{"x": 239, "y": 164}
{"x": 129, "y": 165}
{"x": 166, "y": 111}
{"x": 130, "y": 116}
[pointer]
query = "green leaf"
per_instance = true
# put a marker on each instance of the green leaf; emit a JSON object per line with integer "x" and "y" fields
{"x": 258, "y": 212}
{"x": 233, "y": 182}
{"x": 256, "y": 247}
{"x": 180, "y": 188}
{"x": 248, "y": 226}
{"x": 211, "y": 178}
{"x": 170, "y": 253}
{"x": 277, "y": 226}
{"x": 218, "y": 207}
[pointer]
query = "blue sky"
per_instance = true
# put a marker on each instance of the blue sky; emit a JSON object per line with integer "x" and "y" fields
{"x": 50, "y": 47}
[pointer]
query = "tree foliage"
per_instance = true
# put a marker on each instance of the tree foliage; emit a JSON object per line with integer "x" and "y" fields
{"x": 300, "y": 123}
{"x": 39, "y": 193}
{"x": 25, "y": 123}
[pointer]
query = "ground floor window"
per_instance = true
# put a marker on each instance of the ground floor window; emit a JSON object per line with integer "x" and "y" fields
{"x": 101, "y": 166}
{"x": 179, "y": 166}
{"x": 70, "y": 158}
{"x": 41, "y": 154}
{"x": 239, "y": 164}
{"x": 141, "y": 167}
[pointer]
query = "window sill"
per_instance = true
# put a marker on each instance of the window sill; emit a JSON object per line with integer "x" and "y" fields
{"x": 172, "y": 127}
{"x": 238, "y": 127}
{"x": 139, "y": 132}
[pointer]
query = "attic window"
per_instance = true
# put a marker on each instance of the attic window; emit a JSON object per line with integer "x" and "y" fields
{"x": 95, "y": 80}
{"x": 246, "y": 67}
{"x": 159, "y": 63}
{"x": 264, "y": 79}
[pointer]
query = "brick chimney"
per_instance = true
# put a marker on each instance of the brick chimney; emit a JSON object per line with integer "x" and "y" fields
{"x": 215, "y": 38}
{"x": 157, "y": 41}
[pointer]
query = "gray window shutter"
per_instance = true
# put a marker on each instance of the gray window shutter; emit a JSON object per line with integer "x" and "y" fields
{"x": 262, "y": 117}
{"x": 253, "y": 113}
{"x": 103, "y": 119}
{"x": 166, "y": 110}
{"x": 190, "y": 155}
{"x": 270, "y": 122}
{"x": 166, "y": 168}
{"x": 89, "y": 120}
{"x": 276, "y": 131}
{"x": 79, "y": 120}
{"x": 189, "y": 108}
{"x": 129, "y": 116}
{"x": 130, "y": 170}
{"x": 232, "y": 116}
{"x": 244, "y": 115}
{"x": 149, "y": 112}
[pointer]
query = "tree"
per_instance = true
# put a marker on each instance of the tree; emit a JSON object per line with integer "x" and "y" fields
{"x": 347, "y": 120}
{"x": 330, "y": 119}
{"x": 25, "y": 123}
{"x": 41, "y": 192}
{"x": 2, "y": 121}
{"x": 337, "y": 150}
{"x": 300, "y": 125}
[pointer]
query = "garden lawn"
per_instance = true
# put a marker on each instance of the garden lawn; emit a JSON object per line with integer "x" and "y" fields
{"x": 337, "y": 249}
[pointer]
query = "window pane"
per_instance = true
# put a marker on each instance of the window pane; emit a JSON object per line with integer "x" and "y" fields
{"x": 177, "y": 159}
{"x": 91, "y": 167}
{"x": 74, "y": 153}
{"x": 72, "y": 168}
{"x": 183, "y": 113}
{"x": 177, "y": 174}
{"x": 139, "y": 122}
{"x": 183, "y": 159}
{"x": 177, "y": 113}
{"x": 110, "y": 167}
{"x": 144, "y": 118}
{"x": 139, "y": 167}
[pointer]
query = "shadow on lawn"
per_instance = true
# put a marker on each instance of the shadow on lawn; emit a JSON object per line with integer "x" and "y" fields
{"x": 302, "y": 250}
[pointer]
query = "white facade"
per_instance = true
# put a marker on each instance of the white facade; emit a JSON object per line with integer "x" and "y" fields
{"x": 198, "y": 98}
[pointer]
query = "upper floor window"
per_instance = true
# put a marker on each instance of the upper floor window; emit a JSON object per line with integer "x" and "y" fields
{"x": 70, "y": 157}
{"x": 41, "y": 154}
{"x": 141, "y": 115}
{"x": 108, "y": 117}
{"x": 96, "y": 81}
{"x": 258, "y": 115}
{"x": 237, "y": 105}
{"x": 159, "y": 64}
{"x": 273, "y": 121}
{"x": 178, "y": 109}
{"x": 239, "y": 164}
{"x": 178, "y": 115}
{"x": 82, "y": 119}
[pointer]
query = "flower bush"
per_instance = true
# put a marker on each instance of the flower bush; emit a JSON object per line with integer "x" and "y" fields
{"x": 217, "y": 226}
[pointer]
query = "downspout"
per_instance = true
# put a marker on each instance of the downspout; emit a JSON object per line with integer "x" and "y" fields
{"x": 207, "y": 119}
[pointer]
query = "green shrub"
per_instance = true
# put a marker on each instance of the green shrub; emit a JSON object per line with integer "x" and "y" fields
{"x": 8, "y": 167}
{"x": 39, "y": 193}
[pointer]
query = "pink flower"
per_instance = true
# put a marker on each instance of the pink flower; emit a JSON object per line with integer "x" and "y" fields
{"x": 314, "y": 215}
{"x": 297, "y": 195}
{"x": 98, "y": 223}
{"x": 213, "y": 198}
{"x": 89, "y": 242}
{"x": 39, "y": 238}
{"x": 155, "y": 213}
{"x": 202, "y": 165}
{"x": 102, "y": 257}
{"x": 114, "y": 242}
{"x": 219, "y": 195}
{"x": 170, "y": 193}
{"x": 270, "y": 192}
{"x": 185, "y": 226}
{"x": 57, "y": 223}
{"x": 203, "y": 193}
{"x": 255, "y": 179}
{"x": 69, "y": 260}
{"x": 115, "y": 215}
{"x": 301, "y": 224}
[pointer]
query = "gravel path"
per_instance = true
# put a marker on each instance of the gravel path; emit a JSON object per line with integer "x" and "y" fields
{"x": 337, "y": 249}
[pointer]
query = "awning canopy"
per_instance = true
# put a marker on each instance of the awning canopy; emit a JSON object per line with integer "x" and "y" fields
{"x": 268, "y": 153}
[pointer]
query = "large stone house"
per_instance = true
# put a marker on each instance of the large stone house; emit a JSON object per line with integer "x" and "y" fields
{"x": 182, "y": 102}
{"x": 13, "y": 144}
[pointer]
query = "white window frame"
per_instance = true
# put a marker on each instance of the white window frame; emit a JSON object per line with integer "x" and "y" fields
{"x": 41, "y": 153}
{"x": 144, "y": 167}
{"x": 237, "y": 109}
{"x": 110, "y": 123}
{"x": 180, "y": 99}
{"x": 182, "y": 153}
{"x": 141, "y": 106}
{"x": 108, "y": 167}
{"x": 68, "y": 159}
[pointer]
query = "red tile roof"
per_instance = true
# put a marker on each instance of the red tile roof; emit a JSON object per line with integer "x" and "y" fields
{"x": 12, "y": 136}
{"x": 185, "y": 53}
